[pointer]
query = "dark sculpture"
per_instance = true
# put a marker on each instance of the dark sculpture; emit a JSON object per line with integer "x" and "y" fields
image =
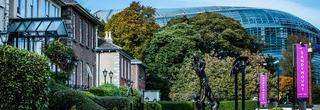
{"x": 239, "y": 65}
{"x": 130, "y": 91}
{"x": 205, "y": 90}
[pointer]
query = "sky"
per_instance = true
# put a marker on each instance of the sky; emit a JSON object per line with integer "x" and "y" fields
{"x": 308, "y": 10}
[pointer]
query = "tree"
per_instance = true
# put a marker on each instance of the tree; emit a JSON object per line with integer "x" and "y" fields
{"x": 285, "y": 85}
{"x": 222, "y": 36}
{"x": 101, "y": 29}
{"x": 167, "y": 52}
{"x": 286, "y": 62}
{"x": 218, "y": 70}
{"x": 133, "y": 28}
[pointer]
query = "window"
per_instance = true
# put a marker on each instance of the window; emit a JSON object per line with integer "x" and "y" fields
{"x": 125, "y": 69}
{"x": 75, "y": 74}
{"x": 86, "y": 34}
{"x": 35, "y": 8}
{"x": 93, "y": 70}
{"x": 92, "y": 37}
{"x": 129, "y": 71}
{"x": 21, "y": 9}
{"x": 74, "y": 26}
{"x": 122, "y": 65}
{"x": 45, "y": 10}
{"x": 80, "y": 30}
{"x": 80, "y": 72}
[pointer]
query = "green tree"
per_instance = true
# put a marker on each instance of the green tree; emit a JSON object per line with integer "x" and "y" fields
{"x": 101, "y": 29}
{"x": 222, "y": 36}
{"x": 286, "y": 61}
{"x": 133, "y": 28}
{"x": 167, "y": 52}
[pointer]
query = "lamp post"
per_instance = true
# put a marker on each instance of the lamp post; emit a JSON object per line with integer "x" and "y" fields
{"x": 310, "y": 73}
{"x": 4, "y": 37}
{"x": 110, "y": 75}
{"x": 105, "y": 72}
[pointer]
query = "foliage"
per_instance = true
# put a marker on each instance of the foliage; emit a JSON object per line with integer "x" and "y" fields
{"x": 87, "y": 93}
{"x": 105, "y": 90}
{"x": 271, "y": 66}
{"x": 316, "y": 94}
{"x": 222, "y": 36}
{"x": 168, "y": 105}
{"x": 120, "y": 103}
{"x": 217, "y": 71}
{"x": 101, "y": 29}
{"x": 59, "y": 77}
{"x": 166, "y": 53}
{"x": 133, "y": 28}
{"x": 59, "y": 54}
{"x": 152, "y": 106}
{"x": 286, "y": 62}
{"x": 229, "y": 105}
{"x": 285, "y": 85}
{"x": 66, "y": 99}
{"x": 23, "y": 77}
{"x": 277, "y": 108}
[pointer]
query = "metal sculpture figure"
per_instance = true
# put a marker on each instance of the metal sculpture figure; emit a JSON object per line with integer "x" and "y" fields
{"x": 129, "y": 93}
{"x": 205, "y": 90}
{"x": 239, "y": 65}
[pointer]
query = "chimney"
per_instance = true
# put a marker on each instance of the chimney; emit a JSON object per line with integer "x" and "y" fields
{"x": 108, "y": 37}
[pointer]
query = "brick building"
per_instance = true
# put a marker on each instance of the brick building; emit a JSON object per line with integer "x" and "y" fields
{"x": 138, "y": 74}
{"x": 82, "y": 28}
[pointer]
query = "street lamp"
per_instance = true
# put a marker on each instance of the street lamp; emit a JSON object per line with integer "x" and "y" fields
{"x": 4, "y": 37}
{"x": 105, "y": 72}
{"x": 110, "y": 75}
{"x": 310, "y": 73}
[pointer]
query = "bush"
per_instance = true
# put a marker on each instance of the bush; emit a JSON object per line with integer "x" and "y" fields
{"x": 23, "y": 77}
{"x": 166, "y": 105}
{"x": 229, "y": 105}
{"x": 152, "y": 106}
{"x": 105, "y": 90}
{"x": 277, "y": 108}
{"x": 87, "y": 93}
{"x": 67, "y": 99}
{"x": 112, "y": 102}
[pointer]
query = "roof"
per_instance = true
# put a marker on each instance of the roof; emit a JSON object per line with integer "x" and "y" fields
{"x": 137, "y": 62}
{"x": 38, "y": 26}
{"x": 104, "y": 46}
{"x": 83, "y": 11}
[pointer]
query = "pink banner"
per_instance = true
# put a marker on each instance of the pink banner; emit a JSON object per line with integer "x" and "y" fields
{"x": 302, "y": 70}
{"x": 263, "y": 96}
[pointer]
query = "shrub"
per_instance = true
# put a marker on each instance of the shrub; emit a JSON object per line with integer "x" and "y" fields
{"x": 152, "y": 106}
{"x": 112, "y": 102}
{"x": 23, "y": 79}
{"x": 277, "y": 108}
{"x": 67, "y": 99}
{"x": 166, "y": 105}
{"x": 105, "y": 90}
{"x": 87, "y": 93}
{"x": 229, "y": 105}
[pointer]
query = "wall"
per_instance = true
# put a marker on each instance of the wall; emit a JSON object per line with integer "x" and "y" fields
{"x": 138, "y": 76}
{"x": 110, "y": 62}
{"x": 4, "y": 10}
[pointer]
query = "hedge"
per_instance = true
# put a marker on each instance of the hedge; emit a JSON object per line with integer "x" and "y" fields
{"x": 67, "y": 99}
{"x": 23, "y": 80}
{"x": 167, "y": 105}
{"x": 113, "y": 102}
{"x": 152, "y": 106}
{"x": 105, "y": 90}
{"x": 224, "y": 105}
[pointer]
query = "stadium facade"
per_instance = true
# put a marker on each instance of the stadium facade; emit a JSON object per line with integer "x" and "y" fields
{"x": 272, "y": 27}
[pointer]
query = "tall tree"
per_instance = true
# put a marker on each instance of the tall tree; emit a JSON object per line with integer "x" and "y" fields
{"x": 222, "y": 36}
{"x": 286, "y": 62}
{"x": 101, "y": 29}
{"x": 133, "y": 28}
{"x": 166, "y": 53}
